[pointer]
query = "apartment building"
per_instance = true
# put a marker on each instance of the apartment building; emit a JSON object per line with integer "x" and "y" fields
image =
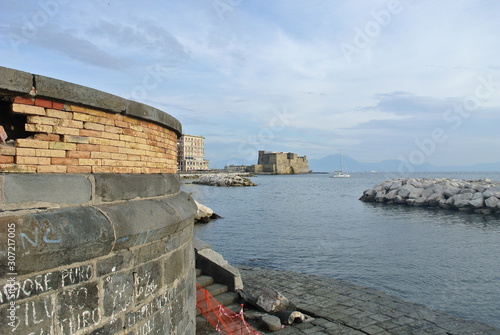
{"x": 191, "y": 153}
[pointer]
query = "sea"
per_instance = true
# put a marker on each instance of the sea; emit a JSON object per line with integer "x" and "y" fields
{"x": 313, "y": 224}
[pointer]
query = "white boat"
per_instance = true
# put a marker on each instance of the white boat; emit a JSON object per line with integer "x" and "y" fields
{"x": 340, "y": 173}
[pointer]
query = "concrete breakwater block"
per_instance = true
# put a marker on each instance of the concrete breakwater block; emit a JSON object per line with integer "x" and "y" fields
{"x": 480, "y": 196}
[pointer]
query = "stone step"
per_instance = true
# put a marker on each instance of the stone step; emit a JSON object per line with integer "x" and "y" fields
{"x": 201, "y": 323}
{"x": 234, "y": 307}
{"x": 216, "y": 289}
{"x": 227, "y": 298}
{"x": 220, "y": 292}
{"x": 204, "y": 281}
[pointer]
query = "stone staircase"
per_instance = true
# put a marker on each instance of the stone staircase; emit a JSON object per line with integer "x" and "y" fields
{"x": 220, "y": 292}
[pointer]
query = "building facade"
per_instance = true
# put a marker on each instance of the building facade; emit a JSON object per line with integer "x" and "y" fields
{"x": 191, "y": 153}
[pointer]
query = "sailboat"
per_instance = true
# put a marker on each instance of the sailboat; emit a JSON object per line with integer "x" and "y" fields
{"x": 340, "y": 173}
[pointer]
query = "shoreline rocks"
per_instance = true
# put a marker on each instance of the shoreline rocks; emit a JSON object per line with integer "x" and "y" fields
{"x": 204, "y": 214}
{"x": 479, "y": 196}
{"x": 224, "y": 180}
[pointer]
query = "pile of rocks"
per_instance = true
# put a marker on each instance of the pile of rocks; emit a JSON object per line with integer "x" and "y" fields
{"x": 224, "y": 179}
{"x": 204, "y": 214}
{"x": 480, "y": 196}
{"x": 273, "y": 310}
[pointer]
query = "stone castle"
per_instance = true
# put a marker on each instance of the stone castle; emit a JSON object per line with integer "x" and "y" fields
{"x": 281, "y": 163}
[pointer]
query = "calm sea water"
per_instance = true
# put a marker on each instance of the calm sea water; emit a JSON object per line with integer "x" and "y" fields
{"x": 315, "y": 224}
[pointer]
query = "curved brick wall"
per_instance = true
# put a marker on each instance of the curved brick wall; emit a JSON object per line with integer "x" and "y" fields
{"x": 96, "y": 238}
{"x": 67, "y": 128}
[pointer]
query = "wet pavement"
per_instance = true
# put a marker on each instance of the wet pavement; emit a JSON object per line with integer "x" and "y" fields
{"x": 339, "y": 307}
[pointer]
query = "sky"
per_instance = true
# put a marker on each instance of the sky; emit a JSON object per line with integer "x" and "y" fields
{"x": 416, "y": 81}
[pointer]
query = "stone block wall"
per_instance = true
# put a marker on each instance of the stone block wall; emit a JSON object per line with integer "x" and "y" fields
{"x": 95, "y": 234}
{"x": 96, "y": 254}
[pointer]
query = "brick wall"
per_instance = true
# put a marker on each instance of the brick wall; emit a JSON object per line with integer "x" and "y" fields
{"x": 68, "y": 138}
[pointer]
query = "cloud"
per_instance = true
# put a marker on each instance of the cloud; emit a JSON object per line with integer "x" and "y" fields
{"x": 227, "y": 73}
{"x": 142, "y": 39}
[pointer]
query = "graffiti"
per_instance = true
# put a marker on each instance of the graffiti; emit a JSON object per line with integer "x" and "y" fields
{"x": 48, "y": 235}
{"x": 76, "y": 275}
{"x": 79, "y": 309}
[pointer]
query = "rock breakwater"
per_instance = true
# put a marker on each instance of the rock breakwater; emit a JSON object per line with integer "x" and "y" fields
{"x": 224, "y": 179}
{"x": 480, "y": 196}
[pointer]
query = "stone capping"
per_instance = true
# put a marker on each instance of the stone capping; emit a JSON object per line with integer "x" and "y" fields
{"x": 14, "y": 82}
{"x": 25, "y": 191}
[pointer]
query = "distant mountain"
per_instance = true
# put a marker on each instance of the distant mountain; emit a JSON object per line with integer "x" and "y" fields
{"x": 331, "y": 163}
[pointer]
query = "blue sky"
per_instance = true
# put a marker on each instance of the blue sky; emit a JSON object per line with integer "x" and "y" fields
{"x": 414, "y": 80}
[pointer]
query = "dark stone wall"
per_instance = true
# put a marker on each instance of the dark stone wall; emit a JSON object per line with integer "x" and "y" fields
{"x": 96, "y": 254}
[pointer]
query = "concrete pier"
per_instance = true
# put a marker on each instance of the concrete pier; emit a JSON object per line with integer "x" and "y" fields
{"x": 343, "y": 308}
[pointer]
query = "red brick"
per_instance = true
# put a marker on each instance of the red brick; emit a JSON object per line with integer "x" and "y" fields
{"x": 122, "y": 124}
{"x": 6, "y": 159}
{"x": 24, "y": 101}
{"x": 57, "y": 105}
{"x": 108, "y": 148}
{"x": 78, "y": 154}
{"x": 79, "y": 169}
{"x": 130, "y": 132}
{"x": 43, "y": 103}
{"x": 64, "y": 161}
{"x": 87, "y": 147}
{"x": 90, "y": 133}
{"x": 47, "y": 137}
